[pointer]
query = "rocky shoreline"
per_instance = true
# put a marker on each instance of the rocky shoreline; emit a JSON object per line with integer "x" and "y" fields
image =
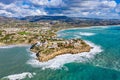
{"x": 61, "y": 52}
{"x": 73, "y": 48}
{"x": 44, "y": 42}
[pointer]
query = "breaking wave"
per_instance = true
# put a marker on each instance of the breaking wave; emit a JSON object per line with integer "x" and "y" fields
{"x": 12, "y": 46}
{"x": 59, "y": 61}
{"x": 20, "y": 76}
{"x": 9, "y": 46}
{"x": 86, "y": 34}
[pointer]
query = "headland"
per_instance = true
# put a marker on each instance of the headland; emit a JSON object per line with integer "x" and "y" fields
{"x": 44, "y": 42}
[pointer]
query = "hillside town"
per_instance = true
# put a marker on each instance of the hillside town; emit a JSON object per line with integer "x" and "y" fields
{"x": 12, "y": 36}
{"x": 43, "y": 40}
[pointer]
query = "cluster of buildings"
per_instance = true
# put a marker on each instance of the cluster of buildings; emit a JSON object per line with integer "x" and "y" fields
{"x": 73, "y": 43}
{"x": 25, "y": 35}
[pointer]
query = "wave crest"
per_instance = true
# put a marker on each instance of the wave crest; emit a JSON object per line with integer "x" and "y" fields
{"x": 20, "y": 76}
{"x": 86, "y": 34}
{"x": 60, "y": 60}
{"x": 12, "y": 46}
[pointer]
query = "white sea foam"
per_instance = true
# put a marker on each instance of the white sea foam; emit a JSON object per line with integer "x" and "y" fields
{"x": 77, "y": 28}
{"x": 90, "y": 27}
{"x": 62, "y": 34}
{"x": 12, "y": 46}
{"x": 86, "y": 34}
{"x": 9, "y": 46}
{"x": 59, "y": 61}
{"x": 20, "y": 76}
{"x": 104, "y": 27}
{"x": 76, "y": 36}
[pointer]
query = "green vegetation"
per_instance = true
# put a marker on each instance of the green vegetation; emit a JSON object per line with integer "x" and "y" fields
{"x": 0, "y": 32}
{"x": 43, "y": 34}
{"x": 23, "y": 33}
{"x": 26, "y": 35}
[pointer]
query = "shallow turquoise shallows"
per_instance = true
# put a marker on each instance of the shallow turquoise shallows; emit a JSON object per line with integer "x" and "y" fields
{"x": 104, "y": 65}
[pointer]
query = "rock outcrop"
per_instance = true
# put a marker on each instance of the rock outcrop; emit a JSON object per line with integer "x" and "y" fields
{"x": 60, "y": 50}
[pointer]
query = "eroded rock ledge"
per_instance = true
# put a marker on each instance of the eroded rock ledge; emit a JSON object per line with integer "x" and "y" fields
{"x": 49, "y": 50}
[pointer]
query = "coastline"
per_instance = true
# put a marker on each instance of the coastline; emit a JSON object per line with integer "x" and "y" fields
{"x": 77, "y": 46}
{"x": 85, "y": 48}
{"x": 62, "y": 52}
{"x": 14, "y": 45}
{"x": 86, "y": 27}
{"x": 54, "y": 54}
{"x": 50, "y": 56}
{"x": 59, "y": 61}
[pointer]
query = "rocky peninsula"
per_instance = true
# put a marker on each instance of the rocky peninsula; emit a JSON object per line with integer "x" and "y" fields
{"x": 44, "y": 42}
{"x": 48, "y": 50}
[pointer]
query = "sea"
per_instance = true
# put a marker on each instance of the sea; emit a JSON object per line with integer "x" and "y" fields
{"x": 101, "y": 63}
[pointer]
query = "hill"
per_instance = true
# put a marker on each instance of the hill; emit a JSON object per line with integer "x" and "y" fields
{"x": 55, "y": 21}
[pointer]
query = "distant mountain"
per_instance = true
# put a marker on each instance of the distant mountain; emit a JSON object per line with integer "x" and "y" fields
{"x": 46, "y": 18}
{"x": 9, "y": 19}
{"x": 5, "y": 19}
{"x": 11, "y": 22}
{"x": 61, "y": 20}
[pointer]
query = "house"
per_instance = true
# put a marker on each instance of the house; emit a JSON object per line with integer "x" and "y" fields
{"x": 39, "y": 43}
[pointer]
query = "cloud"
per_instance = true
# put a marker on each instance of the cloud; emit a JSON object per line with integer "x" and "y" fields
{"x": 93, "y": 8}
{"x": 48, "y": 3}
{"x": 111, "y": 4}
{"x": 5, "y": 13}
{"x": 118, "y": 8}
{"x": 75, "y": 8}
{"x": 19, "y": 10}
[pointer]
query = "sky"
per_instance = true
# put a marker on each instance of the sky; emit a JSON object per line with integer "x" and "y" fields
{"x": 108, "y": 9}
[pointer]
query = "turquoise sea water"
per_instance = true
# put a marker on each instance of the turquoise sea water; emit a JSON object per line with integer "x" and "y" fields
{"x": 104, "y": 64}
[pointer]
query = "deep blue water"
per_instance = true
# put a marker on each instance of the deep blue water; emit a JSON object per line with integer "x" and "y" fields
{"x": 103, "y": 66}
